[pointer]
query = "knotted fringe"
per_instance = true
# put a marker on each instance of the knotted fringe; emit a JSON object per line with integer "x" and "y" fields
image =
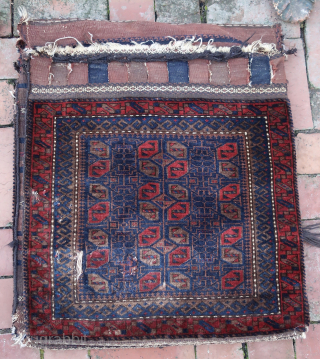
{"x": 309, "y": 235}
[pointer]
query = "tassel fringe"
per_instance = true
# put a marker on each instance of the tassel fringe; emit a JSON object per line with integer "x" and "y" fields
{"x": 22, "y": 11}
{"x": 311, "y": 234}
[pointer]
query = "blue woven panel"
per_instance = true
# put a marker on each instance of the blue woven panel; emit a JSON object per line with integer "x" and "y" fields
{"x": 260, "y": 70}
{"x": 178, "y": 71}
{"x": 98, "y": 73}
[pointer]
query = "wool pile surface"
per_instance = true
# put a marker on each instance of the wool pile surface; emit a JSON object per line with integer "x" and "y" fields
{"x": 156, "y": 195}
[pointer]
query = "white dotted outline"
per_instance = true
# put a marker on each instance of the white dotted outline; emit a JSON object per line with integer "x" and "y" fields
{"x": 167, "y": 132}
{"x": 172, "y": 316}
{"x": 52, "y": 212}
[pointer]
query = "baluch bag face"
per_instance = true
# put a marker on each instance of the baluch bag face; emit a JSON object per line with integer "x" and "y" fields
{"x": 160, "y": 196}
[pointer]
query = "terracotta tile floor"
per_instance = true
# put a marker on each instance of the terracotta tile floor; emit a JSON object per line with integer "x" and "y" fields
{"x": 308, "y": 153}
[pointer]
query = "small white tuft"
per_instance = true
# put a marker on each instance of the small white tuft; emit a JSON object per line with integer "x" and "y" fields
{"x": 22, "y": 11}
{"x": 79, "y": 257}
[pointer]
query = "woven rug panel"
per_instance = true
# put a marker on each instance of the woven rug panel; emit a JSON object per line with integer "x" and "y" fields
{"x": 157, "y": 201}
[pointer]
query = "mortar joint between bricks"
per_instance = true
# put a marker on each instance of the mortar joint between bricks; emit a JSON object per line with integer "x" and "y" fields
{"x": 245, "y": 351}
{"x": 307, "y": 131}
{"x": 203, "y": 7}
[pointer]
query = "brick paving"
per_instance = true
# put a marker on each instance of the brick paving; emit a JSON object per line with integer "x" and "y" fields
{"x": 312, "y": 34}
{"x": 309, "y": 196}
{"x": 312, "y": 258}
{"x": 177, "y": 11}
{"x": 121, "y": 10}
{"x": 254, "y": 12}
{"x": 5, "y": 18}
{"x": 7, "y": 351}
{"x": 176, "y": 352}
{"x": 315, "y": 107}
{"x": 53, "y": 9}
{"x": 70, "y": 354}
{"x": 303, "y": 81}
{"x": 308, "y": 153}
{"x": 6, "y": 268}
{"x": 9, "y": 54}
{"x": 282, "y": 349}
{"x": 6, "y": 182}
{"x": 220, "y": 351}
{"x": 309, "y": 348}
{"x": 6, "y": 102}
{"x": 298, "y": 93}
{"x": 6, "y": 298}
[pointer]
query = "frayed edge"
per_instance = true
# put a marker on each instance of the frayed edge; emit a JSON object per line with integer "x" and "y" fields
{"x": 51, "y": 75}
{"x": 12, "y": 94}
{"x": 249, "y": 71}
{"x": 69, "y": 68}
{"x": 210, "y": 72}
{"x": 14, "y": 318}
{"x": 272, "y": 73}
{"x": 229, "y": 72}
{"x": 309, "y": 235}
{"x": 286, "y": 52}
{"x": 165, "y": 342}
{"x": 187, "y": 46}
{"x": 22, "y": 340}
{"x": 22, "y": 11}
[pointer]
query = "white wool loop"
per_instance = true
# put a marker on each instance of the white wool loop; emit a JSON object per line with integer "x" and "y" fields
{"x": 210, "y": 42}
{"x": 172, "y": 42}
{"x": 91, "y": 37}
{"x": 69, "y": 68}
{"x": 52, "y": 48}
{"x": 199, "y": 40}
{"x": 69, "y": 37}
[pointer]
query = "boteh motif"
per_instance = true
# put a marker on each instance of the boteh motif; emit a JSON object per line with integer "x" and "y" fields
{"x": 182, "y": 230}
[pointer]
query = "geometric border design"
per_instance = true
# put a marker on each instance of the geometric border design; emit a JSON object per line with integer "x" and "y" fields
{"x": 293, "y": 302}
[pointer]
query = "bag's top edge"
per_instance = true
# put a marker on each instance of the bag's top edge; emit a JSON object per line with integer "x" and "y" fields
{"x": 39, "y": 32}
